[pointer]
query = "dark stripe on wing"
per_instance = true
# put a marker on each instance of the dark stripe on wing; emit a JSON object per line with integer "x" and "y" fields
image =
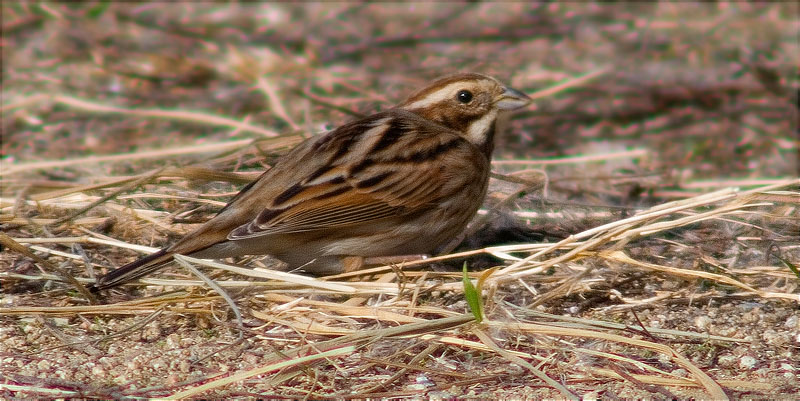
{"x": 288, "y": 194}
{"x": 333, "y": 193}
{"x": 430, "y": 154}
{"x": 344, "y": 147}
{"x": 268, "y": 215}
{"x": 372, "y": 181}
{"x": 362, "y": 166}
{"x": 390, "y": 136}
{"x": 319, "y": 172}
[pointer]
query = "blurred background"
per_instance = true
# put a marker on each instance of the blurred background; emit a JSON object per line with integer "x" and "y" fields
{"x": 707, "y": 89}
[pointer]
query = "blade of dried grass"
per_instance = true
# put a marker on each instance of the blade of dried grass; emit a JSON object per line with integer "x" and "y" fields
{"x": 143, "y": 179}
{"x": 181, "y": 260}
{"x": 357, "y": 312}
{"x": 176, "y": 115}
{"x": 663, "y": 210}
{"x": 474, "y": 345}
{"x": 280, "y": 286}
{"x": 45, "y": 392}
{"x": 741, "y": 182}
{"x": 691, "y": 219}
{"x": 277, "y": 275}
{"x": 628, "y": 154}
{"x": 485, "y": 339}
{"x": 660, "y": 390}
{"x": 603, "y": 233}
{"x": 15, "y": 246}
{"x": 259, "y": 273}
{"x": 88, "y": 221}
{"x": 261, "y": 370}
{"x": 68, "y": 340}
{"x": 619, "y": 358}
{"x": 413, "y": 329}
{"x": 709, "y": 384}
{"x": 121, "y": 333}
{"x": 154, "y": 196}
{"x": 77, "y": 201}
{"x": 150, "y": 154}
{"x": 83, "y": 188}
{"x": 112, "y": 309}
{"x": 307, "y": 326}
{"x": 39, "y": 277}
{"x": 385, "y": 268}
{"x": 761, "y": 184}
{"x": 570, "y": 83}
{"x": 622, "y": 257}
{"x": 275, "y": 103}
{"x": 188, "y": 172}
{"x": 59, "y": 253}
{"x": 406, "y": 367}
{"x": 680, "y": 382}
{"x": 589, "y": 324}
{"x": 308, "y": 93}
{"x": 85, "y": 240}
{"x": 384, "y": 278}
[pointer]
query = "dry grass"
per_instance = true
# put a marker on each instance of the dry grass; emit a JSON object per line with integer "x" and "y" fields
{"x": 660, "y": 163}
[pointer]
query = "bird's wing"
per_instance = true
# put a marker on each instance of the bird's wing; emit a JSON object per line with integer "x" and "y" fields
{"x": 390, "y": 165}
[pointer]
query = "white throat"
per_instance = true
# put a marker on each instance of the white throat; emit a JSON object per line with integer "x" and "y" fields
{"x": 478, "y": 129}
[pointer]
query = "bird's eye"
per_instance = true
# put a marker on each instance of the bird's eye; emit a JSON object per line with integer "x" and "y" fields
{"x": 464, "y": 96}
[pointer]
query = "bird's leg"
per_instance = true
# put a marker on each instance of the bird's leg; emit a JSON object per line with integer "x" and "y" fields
{"x": 352, "y": 263}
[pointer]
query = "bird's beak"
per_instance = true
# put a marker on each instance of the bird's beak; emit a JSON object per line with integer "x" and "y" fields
{"x": 512, "y": 99}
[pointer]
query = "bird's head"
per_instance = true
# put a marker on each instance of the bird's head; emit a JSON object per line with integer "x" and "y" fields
{"x": 466, "y": 102}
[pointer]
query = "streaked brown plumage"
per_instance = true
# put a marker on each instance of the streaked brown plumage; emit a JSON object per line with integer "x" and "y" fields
{"x": 399, "y": 182}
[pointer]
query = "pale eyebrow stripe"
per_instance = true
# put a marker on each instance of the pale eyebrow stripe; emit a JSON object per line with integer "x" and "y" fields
{"x": 434, "y": 97}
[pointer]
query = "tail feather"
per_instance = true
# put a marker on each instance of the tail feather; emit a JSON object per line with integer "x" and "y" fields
{"x": 132, "y": 271}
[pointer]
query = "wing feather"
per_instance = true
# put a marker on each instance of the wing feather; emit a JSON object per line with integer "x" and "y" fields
{"x": 392, "y": 168}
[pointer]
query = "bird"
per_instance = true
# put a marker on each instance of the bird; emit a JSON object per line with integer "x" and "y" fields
{"x": 404, "y": 181}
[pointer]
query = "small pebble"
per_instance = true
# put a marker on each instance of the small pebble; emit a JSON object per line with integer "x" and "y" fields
{"x": 727, "y": 360}
{"x": 424, "y": 380}
{"x": 98, "y": 371}
{"x": 43, "y": 365}
{"x": 702, "y": 322}
{"x": 747, "y": 362}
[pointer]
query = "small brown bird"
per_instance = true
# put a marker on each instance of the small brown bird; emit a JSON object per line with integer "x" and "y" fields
{"x": 400, "y": 182}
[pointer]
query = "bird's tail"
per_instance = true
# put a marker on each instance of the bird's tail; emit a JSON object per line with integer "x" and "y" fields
{"x": 132, "y": 271}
